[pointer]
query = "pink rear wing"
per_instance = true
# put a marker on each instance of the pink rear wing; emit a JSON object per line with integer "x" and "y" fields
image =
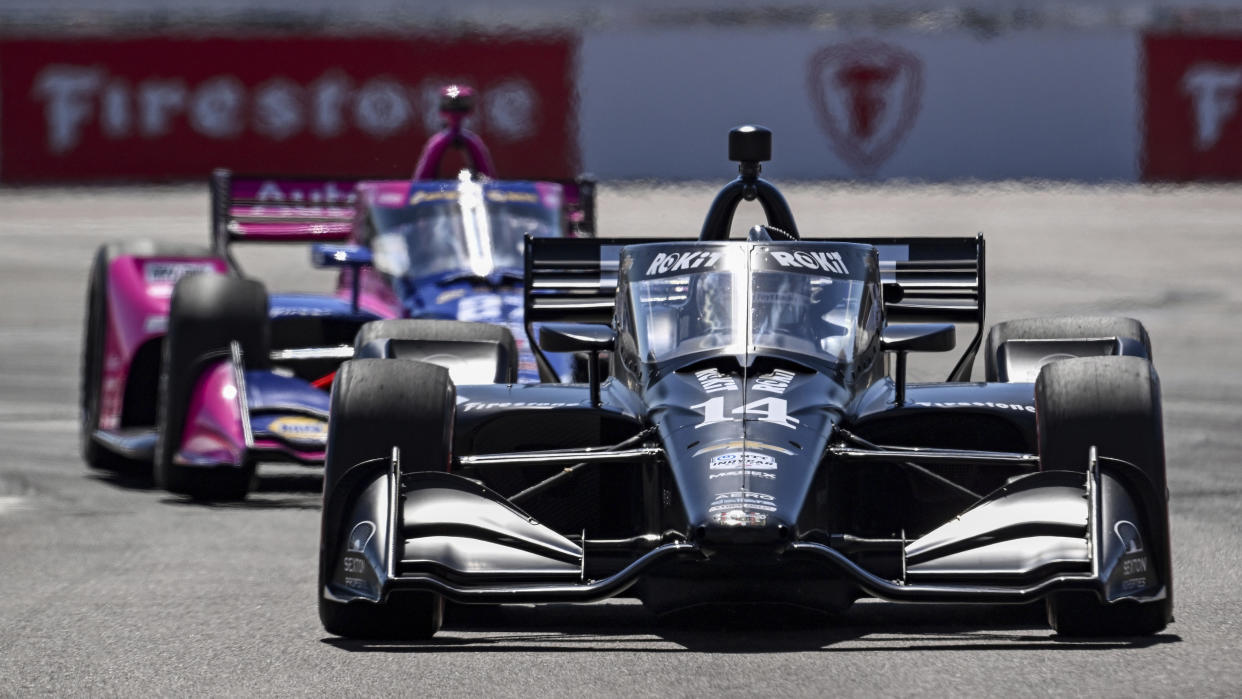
{"x": 277, "y": 209}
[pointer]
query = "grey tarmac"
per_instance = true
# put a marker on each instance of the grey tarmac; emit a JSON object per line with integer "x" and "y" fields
{"x": 108, "y": 587}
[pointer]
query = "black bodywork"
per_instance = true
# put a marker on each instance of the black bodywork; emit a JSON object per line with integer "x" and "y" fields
{"x": 755, "y": 474}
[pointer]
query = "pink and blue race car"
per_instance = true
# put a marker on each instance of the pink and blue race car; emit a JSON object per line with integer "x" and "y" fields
{"x": 192, "y": 366}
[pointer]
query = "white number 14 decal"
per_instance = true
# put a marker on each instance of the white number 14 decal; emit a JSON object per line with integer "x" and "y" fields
{"x": 772, "y": 410}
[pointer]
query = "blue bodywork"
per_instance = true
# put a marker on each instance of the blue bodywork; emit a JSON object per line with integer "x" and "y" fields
{"x": 287, "y": 305}
{"x": 453, "y": 250}
{"x": 448, "y": 250}
{"x": 268, "y": 391}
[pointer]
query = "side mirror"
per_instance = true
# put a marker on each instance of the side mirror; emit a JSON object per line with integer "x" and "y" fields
{"x": 567, "y": 337}
{"x": 904, "y": 338}
{"x": 919, "y": 337}
{"x": 353, "y": 256}
{"x": 573, "y": 337}
{"x": 324, "y": 255}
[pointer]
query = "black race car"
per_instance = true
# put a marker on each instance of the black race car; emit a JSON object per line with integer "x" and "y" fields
{"x": 755, "y": 440}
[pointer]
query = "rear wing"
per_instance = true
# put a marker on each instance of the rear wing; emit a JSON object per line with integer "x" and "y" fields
{"x": 942, "y": 280}
{"x": 262, "y": 209}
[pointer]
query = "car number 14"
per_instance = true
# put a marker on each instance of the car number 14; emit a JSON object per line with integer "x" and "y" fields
{"x": 772, "y": 410}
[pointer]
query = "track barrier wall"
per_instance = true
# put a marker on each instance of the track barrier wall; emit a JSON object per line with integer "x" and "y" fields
{"x": 900, "y": 104}
{"x": 1097, "y": 104}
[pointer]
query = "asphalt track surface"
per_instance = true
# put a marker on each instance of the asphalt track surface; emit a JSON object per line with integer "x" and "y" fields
{"x": 108, "y": 587}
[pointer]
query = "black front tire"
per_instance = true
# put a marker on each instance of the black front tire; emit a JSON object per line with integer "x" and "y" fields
{"x": 378, "y": 404}
{"x": 93, "y": 339}
{"x": 403, "y": 616}
{"x": 1112, "y": 403}
{"x": 1082, "y": 615}
{"x": 208, "y": 312}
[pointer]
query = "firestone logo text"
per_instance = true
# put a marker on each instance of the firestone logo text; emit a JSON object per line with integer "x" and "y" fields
{"x": 78, "y": 98}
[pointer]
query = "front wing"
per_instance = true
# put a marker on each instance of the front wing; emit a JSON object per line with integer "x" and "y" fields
{"x": 1044, "y": 533}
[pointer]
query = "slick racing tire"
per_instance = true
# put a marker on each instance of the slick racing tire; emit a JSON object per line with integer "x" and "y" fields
{"x": 378, "y": 404}
{"x": 446, "y": 330}
{"x": 209, "y": 311}
{"x": 449, "y": 330}
{"x": 1058, "y": 328}
{"x": 1112, "y": 403}
{"x": 94, "y": 338}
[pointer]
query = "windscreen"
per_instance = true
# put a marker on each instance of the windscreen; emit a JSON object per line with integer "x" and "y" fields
{"x": 741, "y": 298}
{"x": 470, "y": 228}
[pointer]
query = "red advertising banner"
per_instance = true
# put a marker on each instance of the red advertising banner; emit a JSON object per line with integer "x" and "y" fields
{"x": 1192, "y": 126}
{"x": 160, "y": 108}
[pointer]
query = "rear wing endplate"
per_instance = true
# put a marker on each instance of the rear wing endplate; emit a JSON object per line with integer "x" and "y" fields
{"x": 942, "y": 279}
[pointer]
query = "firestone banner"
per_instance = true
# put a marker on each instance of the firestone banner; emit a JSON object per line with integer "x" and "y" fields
{"x": 1192, "y": 126}
{"x": 96, "y": 109}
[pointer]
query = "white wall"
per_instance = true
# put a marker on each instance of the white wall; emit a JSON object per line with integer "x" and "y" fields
{"x": 1056, "y": 104}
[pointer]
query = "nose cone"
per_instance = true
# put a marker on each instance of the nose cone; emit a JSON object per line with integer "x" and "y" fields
{"x": 748, "y": 522}
{"x": 745, "y": 449}
{"x": 744, "y": 501}
{"x": 749, "y": 489}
